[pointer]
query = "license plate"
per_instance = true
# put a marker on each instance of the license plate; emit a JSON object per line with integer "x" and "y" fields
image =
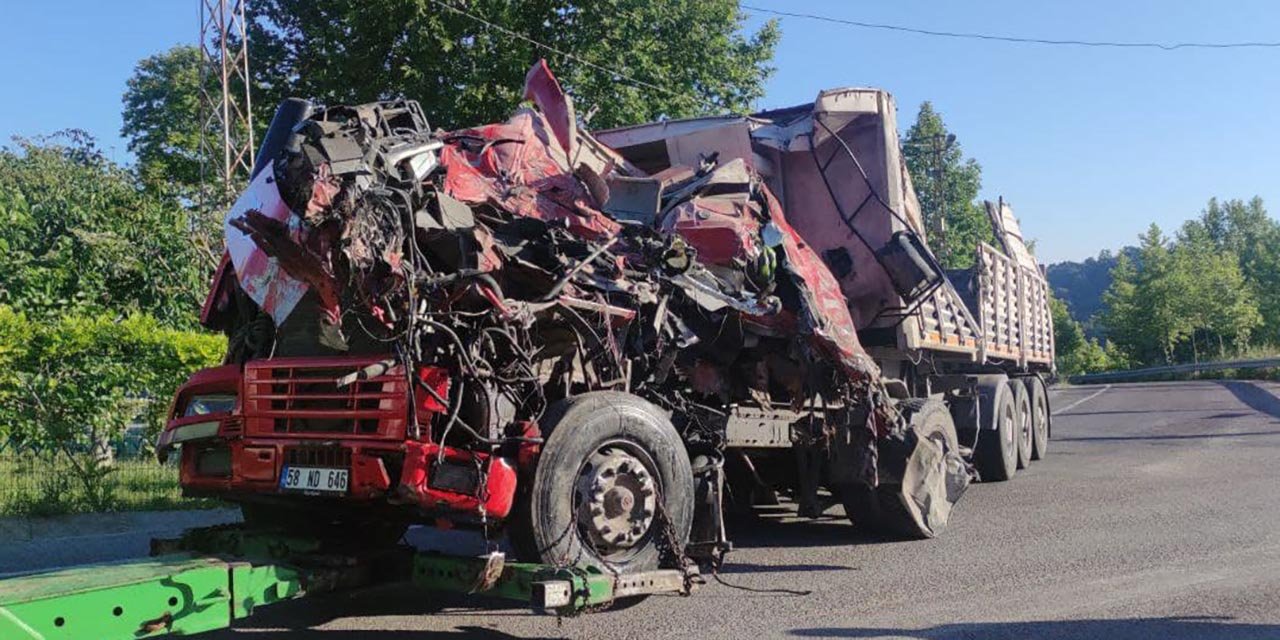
{"x": 314, "y": 479}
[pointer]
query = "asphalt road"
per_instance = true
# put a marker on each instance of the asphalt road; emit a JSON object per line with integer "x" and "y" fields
{"x": 1156, "y": 515}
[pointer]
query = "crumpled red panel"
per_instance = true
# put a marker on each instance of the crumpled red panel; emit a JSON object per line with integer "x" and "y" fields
{"x": 833, "y": 327}
{"x": 523, "y": 165}
{"x": 721, "y": 229}
{"x": 542, "y": 88}
{"x": 518, "y": 166}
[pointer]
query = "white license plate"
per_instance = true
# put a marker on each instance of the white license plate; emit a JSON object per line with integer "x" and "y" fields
{"x": 314, "y": 479}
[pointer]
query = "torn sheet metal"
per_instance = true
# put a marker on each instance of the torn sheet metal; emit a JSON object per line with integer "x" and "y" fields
{"x": 542, "y": 88}
{"x": 826, "y": 308}
{"x": 261, "y": 276}
{"x": 521, "y": 167}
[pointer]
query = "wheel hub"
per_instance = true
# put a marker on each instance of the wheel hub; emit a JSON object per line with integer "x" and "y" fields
{"x": 616, "y": 499}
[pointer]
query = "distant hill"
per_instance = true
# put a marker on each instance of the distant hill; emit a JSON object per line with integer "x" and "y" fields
{"x": 1081, "y": 285}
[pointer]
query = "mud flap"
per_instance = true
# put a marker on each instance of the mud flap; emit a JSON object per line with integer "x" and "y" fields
{"x": 932, "y": 482}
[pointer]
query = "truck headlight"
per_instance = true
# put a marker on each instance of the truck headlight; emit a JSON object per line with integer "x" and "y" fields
{"x": 211, "y": 403}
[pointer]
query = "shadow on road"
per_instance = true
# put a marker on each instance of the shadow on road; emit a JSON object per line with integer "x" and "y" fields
{"x": 1173, "y": 628}
{"x": 1256, "y": 397}
{"x": 749, "y": 567}
{"x": 301, "y": 617}
{"x": 785, "y": 530}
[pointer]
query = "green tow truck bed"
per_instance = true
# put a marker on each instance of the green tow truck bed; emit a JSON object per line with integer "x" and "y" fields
{"x": 209, "y": 578}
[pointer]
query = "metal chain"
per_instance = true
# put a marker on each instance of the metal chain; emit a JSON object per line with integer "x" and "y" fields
{"x": 673, "y": 541}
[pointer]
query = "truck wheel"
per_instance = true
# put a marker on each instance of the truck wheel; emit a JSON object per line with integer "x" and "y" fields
{"x": 1022, "y": 402}
{"x": 612, "y": 486}
{"x": 930, "y": 477}
{"x": 996, "y": 454}
{"x": 1039, "y": 416}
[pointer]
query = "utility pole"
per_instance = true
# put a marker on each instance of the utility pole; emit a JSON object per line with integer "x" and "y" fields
{"x": 225, "y": 110}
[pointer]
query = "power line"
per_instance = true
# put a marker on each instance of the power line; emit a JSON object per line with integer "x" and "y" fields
{"x": 998, "y": 38}
{"x": 612, "y": 72}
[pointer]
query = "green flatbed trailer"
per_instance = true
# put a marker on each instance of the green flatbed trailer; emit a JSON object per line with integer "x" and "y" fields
{"x": 208, "y": 579}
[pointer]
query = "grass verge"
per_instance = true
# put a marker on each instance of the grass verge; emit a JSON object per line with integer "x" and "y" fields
{"x": 40, "y": 486}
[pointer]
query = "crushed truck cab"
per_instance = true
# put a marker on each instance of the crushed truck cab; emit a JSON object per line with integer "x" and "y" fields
{"x": 598, "y": 344}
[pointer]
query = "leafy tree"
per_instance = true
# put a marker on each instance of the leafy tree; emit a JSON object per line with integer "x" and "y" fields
{"x": 1075, "y": 353}
{"x": 162, "y": 119}
{"x": 99, "y": 284}
{"x": 1245, "y": 230}
{"x": 1067, "y": 333}
{"x": 1122, "y": 314}
{"x": 80, "y": 233}
{"x": 466, "y": 73}
{"x": 1216, "y": 301}
{"x": 1181, "y": 296}
{"x": 1161, "y": 300}
{"x": 947, "y": 177}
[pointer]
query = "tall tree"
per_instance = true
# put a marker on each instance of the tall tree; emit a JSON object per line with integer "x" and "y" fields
{"x": 1161, "y": 293}
{"x": 1120, "y": 315}
{"x": 944, "y": 178}
{"x": 1147, "y": 312}
{"x": 162, "y": 119}
{"x": 1247, "y": 231}
{"x": 1181, "y": 297}
{"x": 1214, "y": 297}
{"x": 694, "y": 56}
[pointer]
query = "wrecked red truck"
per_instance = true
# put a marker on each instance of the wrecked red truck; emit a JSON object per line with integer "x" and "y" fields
{"x": 598, "y": 344}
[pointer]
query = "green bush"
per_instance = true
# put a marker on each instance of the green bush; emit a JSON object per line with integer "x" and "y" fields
{"x": 70, "y": 387}
{"x": 100, "y": 280}
{"x": 80, "y": 234}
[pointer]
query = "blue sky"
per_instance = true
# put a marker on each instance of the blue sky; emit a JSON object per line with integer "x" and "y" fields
{"x": 1090, "y": 145}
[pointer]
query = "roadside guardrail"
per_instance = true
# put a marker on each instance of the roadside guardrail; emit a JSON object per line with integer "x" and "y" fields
{"x": 1138, "y": 374}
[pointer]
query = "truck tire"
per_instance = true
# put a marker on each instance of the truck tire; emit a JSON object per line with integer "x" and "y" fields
{"x": 1039, "y": 416}
{"x": 612, "y": 480}
{"x": 1022, "y": 404}
{"x": 931, "y": 477}
{"x": 996, "y": 453}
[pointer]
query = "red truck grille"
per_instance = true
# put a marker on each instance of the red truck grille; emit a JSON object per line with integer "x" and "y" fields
{"x": 301, "y": 396}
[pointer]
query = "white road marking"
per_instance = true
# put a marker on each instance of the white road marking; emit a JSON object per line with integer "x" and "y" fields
{"x": 32, "y": 633}
{"x": 1081, "y": 401}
